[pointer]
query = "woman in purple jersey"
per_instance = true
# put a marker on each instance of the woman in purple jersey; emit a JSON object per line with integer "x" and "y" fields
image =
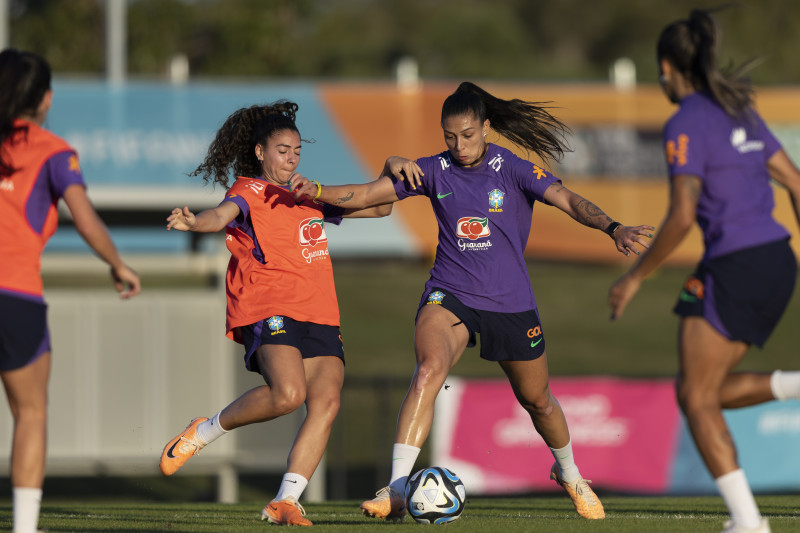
{"x": 37, "y": 169}
{"x": 721, "y": 157}
{"x": 483, "y": 197}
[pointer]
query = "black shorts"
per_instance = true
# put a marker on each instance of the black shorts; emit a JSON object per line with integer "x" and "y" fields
{"x": 742, "y": 294}
{"x": 504, "y": 336}
{"x": 313, "y": 340}
{"x": 23, "y": 331}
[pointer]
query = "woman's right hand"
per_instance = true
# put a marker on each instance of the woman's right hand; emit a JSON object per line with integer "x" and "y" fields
{"x": 181, "y": 219}
{"x": 126, "y": 281}
{"x": 402, "y": 169}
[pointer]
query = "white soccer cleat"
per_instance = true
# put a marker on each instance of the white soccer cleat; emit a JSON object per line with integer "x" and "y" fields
{"x": 731, "y": 527}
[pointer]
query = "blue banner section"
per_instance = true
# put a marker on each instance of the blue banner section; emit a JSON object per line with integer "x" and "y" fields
{"x": 138, "y": 142}
{"x": 152, "y": 134}
{"x": 765, "y": 438}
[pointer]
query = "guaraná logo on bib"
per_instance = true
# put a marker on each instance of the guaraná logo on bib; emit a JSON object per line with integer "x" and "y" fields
{"x": 312, "y": 232}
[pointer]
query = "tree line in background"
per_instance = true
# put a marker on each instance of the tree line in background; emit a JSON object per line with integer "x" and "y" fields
{"x": 515, "y": 40}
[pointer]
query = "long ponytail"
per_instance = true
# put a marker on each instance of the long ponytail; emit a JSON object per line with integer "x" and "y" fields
{"x": 24, "y": 80}
{"x": 526, "y": 124}
{"x": 692, "y": 46}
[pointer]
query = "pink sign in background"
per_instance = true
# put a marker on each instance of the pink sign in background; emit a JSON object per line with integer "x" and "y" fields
{"x": 624, "y": 434}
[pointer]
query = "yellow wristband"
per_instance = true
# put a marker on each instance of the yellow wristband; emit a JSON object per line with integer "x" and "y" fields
{"x": 319, "y": 189}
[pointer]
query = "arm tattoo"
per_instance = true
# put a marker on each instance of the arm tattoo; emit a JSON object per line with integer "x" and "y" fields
{"x": 590, "y": 215}
{"x": 345, "y": 198}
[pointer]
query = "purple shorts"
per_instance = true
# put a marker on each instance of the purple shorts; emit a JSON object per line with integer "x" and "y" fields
{"x": 24, "y": 335}
{"x": 313, "y": 340}
{"x": 504, "y": 336}
{"x": 742, "y": 294}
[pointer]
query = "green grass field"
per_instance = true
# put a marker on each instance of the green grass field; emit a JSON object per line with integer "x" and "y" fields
{"x": 378, "y": 300}
{"x": 550, "y": 514}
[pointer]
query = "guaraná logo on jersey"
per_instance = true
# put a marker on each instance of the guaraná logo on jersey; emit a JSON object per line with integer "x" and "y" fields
{"x": 435, "y": 298}
{"x": 472, "y": 228}
{"x": 275, "y": 324}
{"x": 496, "y": 197}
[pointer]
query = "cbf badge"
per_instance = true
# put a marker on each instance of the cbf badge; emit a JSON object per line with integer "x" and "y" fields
{"x": 275, "y": 324}
{"x": 496, "y": 197}
{"x": 435, "y": 298}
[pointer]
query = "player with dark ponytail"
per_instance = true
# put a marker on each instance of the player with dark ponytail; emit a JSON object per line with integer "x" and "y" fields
{"x": 721, "y": 158}
{"x": 282, "y": 304}
{"x": 37, "y": 169}
{"x": 483, "y": 197}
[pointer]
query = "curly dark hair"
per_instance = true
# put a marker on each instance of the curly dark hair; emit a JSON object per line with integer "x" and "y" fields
{"x": 233, "y": 148}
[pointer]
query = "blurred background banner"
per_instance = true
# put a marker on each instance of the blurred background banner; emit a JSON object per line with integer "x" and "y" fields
{"x": 140, "y": 88}
{"x": 627, "y": 434}
{"x": 138, "y": 142}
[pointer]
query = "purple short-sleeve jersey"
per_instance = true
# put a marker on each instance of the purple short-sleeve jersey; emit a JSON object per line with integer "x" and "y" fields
{"x": 484, "y": 216}
{"x": 735, "y": 206}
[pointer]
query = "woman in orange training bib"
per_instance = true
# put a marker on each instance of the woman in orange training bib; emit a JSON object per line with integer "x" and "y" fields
{"x": 281, "y": 297}
{"x": 37, "y": 169}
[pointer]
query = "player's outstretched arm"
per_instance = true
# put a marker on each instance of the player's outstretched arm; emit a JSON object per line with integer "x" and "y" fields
{"x": 353, "y": 197}
{"x": 627, "y": 239}
{"x": 208, "y": 221}
{"x": 94, "y": 231}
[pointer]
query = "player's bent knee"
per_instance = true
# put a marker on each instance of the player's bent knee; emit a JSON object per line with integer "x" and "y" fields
{"x": 288, "y": 400}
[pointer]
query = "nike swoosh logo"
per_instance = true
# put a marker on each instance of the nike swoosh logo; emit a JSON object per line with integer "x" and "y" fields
{"x": 292, "y": 480}
{"x": 172, "y": 449}
{"x": 440, "y": 195}
{"x": 534, "y": 344}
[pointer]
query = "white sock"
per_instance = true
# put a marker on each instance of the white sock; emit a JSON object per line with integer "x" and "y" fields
{"x": 739, "y": 499}
{"x": 403, "y": 459}
{"x": 27, "y": 502}
{"x": 566, "y": 462}
{"x": 292, "y": 486}
{"x": 785, "y": 385}
{"x": 210, "y": 430}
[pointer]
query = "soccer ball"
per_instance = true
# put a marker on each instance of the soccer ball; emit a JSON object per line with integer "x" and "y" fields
{"x": 435, "y": 495}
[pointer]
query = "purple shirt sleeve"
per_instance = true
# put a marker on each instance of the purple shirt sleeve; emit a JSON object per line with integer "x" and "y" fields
{"x": 57, "y": 173}
{"x": 533, "y": 179}
{"x": 683, "y": 146}
{"x": 63, "y": 170}
{"x": 404, "y": 189}
{"x": 332, "y": 213}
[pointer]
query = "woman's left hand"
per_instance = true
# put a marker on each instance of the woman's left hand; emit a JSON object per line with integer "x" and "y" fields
{"x": 626, "y": 238}
{"x": 302, "y": 188}
{"x": 403, "y": 169}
